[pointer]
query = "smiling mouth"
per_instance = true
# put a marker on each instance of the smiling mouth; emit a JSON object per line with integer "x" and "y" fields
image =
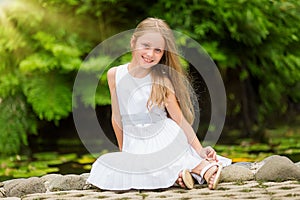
{"x": 147, "y": 60}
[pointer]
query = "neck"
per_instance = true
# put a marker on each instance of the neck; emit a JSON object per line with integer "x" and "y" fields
{"x": 137, "y": 71}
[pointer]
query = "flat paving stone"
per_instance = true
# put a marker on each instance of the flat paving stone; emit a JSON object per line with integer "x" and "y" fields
{"x": 235, "y": 190}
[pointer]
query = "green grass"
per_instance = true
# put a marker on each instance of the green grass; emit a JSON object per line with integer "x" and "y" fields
{"x": 180, "y": 191}
{"x": 260, "y": 185}
{"x": 79, "y": 195}
{"x": 205, "y": 193}
{"x": 223, "y": 188}
{"x": 62, "y": 193}
{"x": 239, "y": 182}
{"x": 102, "y": 197}
{"x": 228, "y": 195}
{"x": 269, "y": 193}
{"x": 292, "y": 195}
{"x": 143, "y": 195}
{"x": 252, "y": 197}
{"x": 162, "y": 196}
{"x": 286, "y": 188}
{"x": 246, "y": 190}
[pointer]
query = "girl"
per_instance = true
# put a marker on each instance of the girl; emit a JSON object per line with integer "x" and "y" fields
{"x": 152, "y": 113}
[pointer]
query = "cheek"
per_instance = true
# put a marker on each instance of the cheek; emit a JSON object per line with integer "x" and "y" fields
{"x": 160, "y": 56}
{"x": 137, "y": 52}
{"x": 139, "y": 49}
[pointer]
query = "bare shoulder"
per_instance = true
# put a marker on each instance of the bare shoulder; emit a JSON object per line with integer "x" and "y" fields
{"x": 111, "y": 74}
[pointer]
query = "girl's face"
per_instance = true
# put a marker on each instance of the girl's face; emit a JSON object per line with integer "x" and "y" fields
{"x": 148, "y": 49}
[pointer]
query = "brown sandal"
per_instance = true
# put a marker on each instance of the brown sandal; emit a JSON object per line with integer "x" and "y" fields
{"x": 208, "y": 174}
{"x": 187, "y": 179}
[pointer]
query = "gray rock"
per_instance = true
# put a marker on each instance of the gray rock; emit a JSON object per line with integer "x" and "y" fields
{"x": 87, "y": 185}
{"x": 85, "y": 175}
{"x": 297, "y": 164}
{"x": 65, "y": 183}
{"x": 278, "y": 168}
{"x": 2, "y": 192}
{"x": 21, "y": 187}
{"x": 48, "y": 179}
{"x": 11, "y": 180}
{"x": 234, "y": 173}
{"x": 256, "y": 166}
{"x": 244, "y": 164}
{"x": 51, "y": 177}
{"x": 1, "y": 184}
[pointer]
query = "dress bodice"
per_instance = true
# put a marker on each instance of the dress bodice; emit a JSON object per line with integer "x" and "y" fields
{"x": 133, "y": 94}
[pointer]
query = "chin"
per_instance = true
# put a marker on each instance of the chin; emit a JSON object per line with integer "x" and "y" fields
{"x": 148, "y": 65}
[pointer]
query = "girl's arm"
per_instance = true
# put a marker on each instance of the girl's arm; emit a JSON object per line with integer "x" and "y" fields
{"x": 175, "y": 113}
{"x": 116, "y": 117}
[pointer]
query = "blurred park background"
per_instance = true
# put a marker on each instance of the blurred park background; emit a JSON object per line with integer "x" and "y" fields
{"x": 254, "y": 43}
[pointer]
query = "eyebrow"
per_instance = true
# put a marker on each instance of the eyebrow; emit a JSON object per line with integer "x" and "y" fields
{"x": 149, "y": 44}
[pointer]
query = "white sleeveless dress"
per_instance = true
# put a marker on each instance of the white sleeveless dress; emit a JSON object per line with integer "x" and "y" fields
{"x": 155, "y": 148}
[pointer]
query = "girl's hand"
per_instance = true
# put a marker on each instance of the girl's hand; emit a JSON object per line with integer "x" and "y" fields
{"x": 208, "y": 153}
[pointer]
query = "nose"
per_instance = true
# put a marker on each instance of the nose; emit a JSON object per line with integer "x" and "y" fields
{"x": 150, "y": 52}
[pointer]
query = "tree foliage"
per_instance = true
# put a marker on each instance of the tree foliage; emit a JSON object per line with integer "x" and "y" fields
{"x": 256, "y": 45}
{"x": 42, "y": 45}
{"x": 16, "y": 120}
{"x": 39, "y": 58}
{"x": 44, "y": 42}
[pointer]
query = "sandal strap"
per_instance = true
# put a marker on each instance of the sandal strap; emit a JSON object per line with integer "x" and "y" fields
{"x": 206, "y": 168}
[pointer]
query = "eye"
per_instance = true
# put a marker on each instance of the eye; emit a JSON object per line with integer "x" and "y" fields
{"x": 158, "y": 50}
{"x": 145, "y": 45}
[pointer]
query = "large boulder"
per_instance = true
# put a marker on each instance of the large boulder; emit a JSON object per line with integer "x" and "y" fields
{"x": 47, "y": 183}
{"x": 234, "y": 173}
{"x": 278, "y": 168}
{"x": 64, "y": 183}
{"x": 21, "y": 187}
{"x": 49, "y": 179}
{"x": 2, "y": 191}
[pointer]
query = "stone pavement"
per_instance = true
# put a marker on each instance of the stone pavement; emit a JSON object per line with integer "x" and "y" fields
{"x": 233, "y": 190}
{"x": 273, "y": 178}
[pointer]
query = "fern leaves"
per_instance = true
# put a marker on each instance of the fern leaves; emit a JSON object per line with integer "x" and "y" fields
{"x": 52, "y": 54}
{"x": 50, "y": 96}
{"x": 16, "y": 120}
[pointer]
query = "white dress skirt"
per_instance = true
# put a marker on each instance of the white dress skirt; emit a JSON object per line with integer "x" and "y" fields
{"x": 155, "y": 149}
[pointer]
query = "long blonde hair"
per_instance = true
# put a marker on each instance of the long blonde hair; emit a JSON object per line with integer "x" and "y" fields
{"x": 168, "y": 67}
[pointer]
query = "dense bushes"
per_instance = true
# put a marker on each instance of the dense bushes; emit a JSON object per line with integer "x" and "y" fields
{"x": 43, "y": 43}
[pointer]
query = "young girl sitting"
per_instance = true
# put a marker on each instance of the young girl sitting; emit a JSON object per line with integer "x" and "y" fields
{"x": 152, "y": 113}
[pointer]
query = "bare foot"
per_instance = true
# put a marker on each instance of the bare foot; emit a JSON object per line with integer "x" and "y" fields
{"x": 211, "y": 182}
{"x": 210, "y": 174}
{"x": 180, "y": 181}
